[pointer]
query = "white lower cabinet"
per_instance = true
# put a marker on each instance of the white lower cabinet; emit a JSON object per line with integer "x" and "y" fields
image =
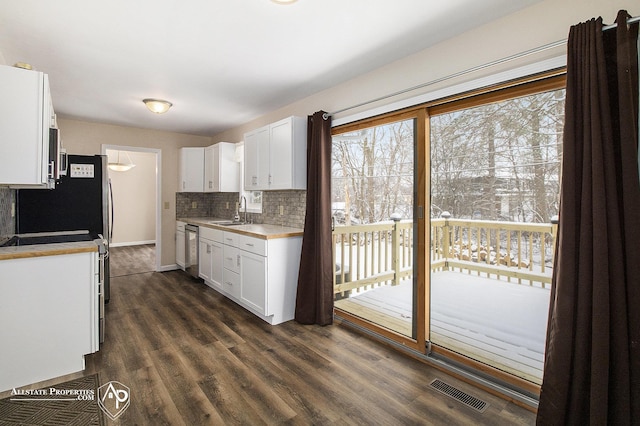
{"x": 262, "y": 275}
{"x": 49, "y": 311}
{"x": 253, "y": 275}
{"x": 211, "y": 257}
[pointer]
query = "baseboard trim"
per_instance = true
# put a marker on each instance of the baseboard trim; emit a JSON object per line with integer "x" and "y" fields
{"x": 132, "y": 243}
{"x": 167, "y": 268}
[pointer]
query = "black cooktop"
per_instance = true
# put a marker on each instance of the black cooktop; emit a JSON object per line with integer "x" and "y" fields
{"x": 46, "y": 239}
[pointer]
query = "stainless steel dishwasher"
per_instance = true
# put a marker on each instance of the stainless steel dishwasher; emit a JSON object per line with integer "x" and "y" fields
{"x": 191, "y": 250}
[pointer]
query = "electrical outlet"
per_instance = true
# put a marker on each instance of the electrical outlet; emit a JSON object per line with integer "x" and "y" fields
{"x": 166, "y": 205}
{"x": 227, "y": 205}
{"x": 194, "y": 204}
{"x": 13, "y": 209}
{"x": 281, "y": 210}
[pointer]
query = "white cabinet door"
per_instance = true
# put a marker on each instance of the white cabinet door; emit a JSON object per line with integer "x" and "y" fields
{"x": 256, "y": 159}
{"x": 253, "y": 279}
{"x": 221, "y": 170}
{"x": 210, "y": 169}
{"x": 217, "y": 267}
{"x": 205, "y": 260}
{"x": 26, "y": 113}
{"x": 191, "y": 170}
{"x": 180, "y": 244}
{"x": 280, "y": 155}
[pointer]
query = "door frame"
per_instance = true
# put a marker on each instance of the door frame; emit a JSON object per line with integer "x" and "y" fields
{"x": 158, "y": 186}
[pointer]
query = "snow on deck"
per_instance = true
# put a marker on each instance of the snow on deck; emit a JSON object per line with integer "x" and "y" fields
{"x": 499, "y": 323}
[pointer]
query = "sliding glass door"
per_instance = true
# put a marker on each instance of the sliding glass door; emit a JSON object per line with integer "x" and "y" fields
{"x": 444, "y": 225}
{"x": 495, "y": 173}
{"x": 373, "y": 197}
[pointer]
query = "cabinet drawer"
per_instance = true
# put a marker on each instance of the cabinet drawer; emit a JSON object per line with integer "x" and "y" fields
{"x": 211, "y": 234}
{"x": 230, "y": 238}
{"x": 231, "y": 283}
{"x": 253, "y": 245}
{"x": 231, "y": 259}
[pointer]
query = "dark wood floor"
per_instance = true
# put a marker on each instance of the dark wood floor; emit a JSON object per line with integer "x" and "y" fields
{"x": 128, "y": 260}
{"x": 192, "y": 357}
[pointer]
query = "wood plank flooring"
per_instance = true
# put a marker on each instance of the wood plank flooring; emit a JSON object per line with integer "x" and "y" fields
{"x": 192, "y": 357}
{"x": 127, "y": 260}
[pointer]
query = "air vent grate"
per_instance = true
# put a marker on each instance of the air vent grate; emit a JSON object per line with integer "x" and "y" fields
{"x": 458, "y": 395}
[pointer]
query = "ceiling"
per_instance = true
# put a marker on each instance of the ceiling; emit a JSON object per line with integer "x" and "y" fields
{"x": 221, "y": 63}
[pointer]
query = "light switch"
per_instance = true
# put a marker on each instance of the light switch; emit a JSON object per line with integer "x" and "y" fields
{"x": 194, "y": 204}
{"x": 166, "y": 205}
{"x": 281, "y": 210}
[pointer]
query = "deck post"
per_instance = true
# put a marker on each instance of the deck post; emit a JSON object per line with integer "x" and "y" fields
{"x": 446, "y": 238}
{"x": 395, "y": 248}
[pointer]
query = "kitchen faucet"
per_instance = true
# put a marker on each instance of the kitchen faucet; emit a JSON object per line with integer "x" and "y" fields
{"x": 237, "y": 216}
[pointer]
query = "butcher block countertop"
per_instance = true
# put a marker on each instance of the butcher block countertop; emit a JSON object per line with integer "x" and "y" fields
{"x": 264, "y": 231}
{"x": 38, "y": 250}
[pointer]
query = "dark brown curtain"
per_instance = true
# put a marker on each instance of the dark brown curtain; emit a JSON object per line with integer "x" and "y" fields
{"x": 314, "y": 300}
{"x": 592, "y": 364}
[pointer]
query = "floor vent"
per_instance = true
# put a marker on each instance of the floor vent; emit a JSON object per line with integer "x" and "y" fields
{"x": 458, "y": 395}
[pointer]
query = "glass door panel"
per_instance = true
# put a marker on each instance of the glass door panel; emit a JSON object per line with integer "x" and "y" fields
{"x": 495, "y": 173}
{"x": 373, "y": 213}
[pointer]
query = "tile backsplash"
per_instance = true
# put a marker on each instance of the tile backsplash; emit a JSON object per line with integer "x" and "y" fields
{"x": 213, "y": 204}
{"x": 7, "y": 223}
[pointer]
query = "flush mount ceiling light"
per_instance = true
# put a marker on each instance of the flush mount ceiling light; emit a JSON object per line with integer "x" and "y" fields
{"x": 158, "y": 106}
{"x": 120, "y": 166}
{"x": 284, "y": 1}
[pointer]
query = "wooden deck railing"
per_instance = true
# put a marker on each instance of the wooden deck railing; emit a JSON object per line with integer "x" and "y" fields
{"x": 371, "y": 255}
{"x": 367, "y": 256}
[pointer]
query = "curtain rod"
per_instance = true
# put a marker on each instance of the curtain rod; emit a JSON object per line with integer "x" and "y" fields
{"x": 470, "y": 70}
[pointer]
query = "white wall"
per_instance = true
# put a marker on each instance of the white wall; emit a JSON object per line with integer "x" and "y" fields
{"x": 543, "y": 23}
{"x": 134, "y": 198}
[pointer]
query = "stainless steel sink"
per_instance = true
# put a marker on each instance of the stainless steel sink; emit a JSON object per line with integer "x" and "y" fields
{"x": 230, "y": 223}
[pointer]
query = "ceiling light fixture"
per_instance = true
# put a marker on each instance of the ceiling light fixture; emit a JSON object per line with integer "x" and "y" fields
{"x": 284, "y": 1}
{"x": 158, "y": 106}
{"x": 120, "y": 166}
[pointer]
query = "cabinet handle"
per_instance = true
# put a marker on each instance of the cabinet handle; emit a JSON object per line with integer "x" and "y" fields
{"x": 230, "y": 259}
{"x": 228, "y": 283}
{"x": 269, "y": 179}
{"x": 248, "y": 244}
{"x": 210, "y": 184}
{"x": 183, "y": 184}
{"x": 208, "y": 248}
{"x": 238, "y": 256}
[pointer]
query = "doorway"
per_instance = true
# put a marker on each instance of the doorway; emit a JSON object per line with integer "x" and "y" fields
{"x": 136, "y": 198}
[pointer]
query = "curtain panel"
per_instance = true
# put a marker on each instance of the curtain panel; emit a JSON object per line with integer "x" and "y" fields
{"x": 314, "y": 299}
{"x": 592, "y": 363}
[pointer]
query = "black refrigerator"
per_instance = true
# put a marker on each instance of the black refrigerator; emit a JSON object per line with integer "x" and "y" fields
{"x": 77, "y": 209}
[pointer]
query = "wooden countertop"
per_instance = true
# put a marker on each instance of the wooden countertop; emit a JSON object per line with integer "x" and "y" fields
{"x": 38, "y": 250}
{"x": 264, "y": 231}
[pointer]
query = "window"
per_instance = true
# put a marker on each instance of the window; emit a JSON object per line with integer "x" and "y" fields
{"x": 254, "y": 198}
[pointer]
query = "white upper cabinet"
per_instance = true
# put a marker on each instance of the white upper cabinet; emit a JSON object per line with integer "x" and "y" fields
{"x": 191, "y": 170}
{"x": 256, "y": 148}
{"x": 276, "y": 156}
{"x": 221, "y": 170}
{"x": 26, "y": 114}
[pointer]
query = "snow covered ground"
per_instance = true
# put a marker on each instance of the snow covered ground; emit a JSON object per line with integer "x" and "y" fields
{"x": 499, "y": 323}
